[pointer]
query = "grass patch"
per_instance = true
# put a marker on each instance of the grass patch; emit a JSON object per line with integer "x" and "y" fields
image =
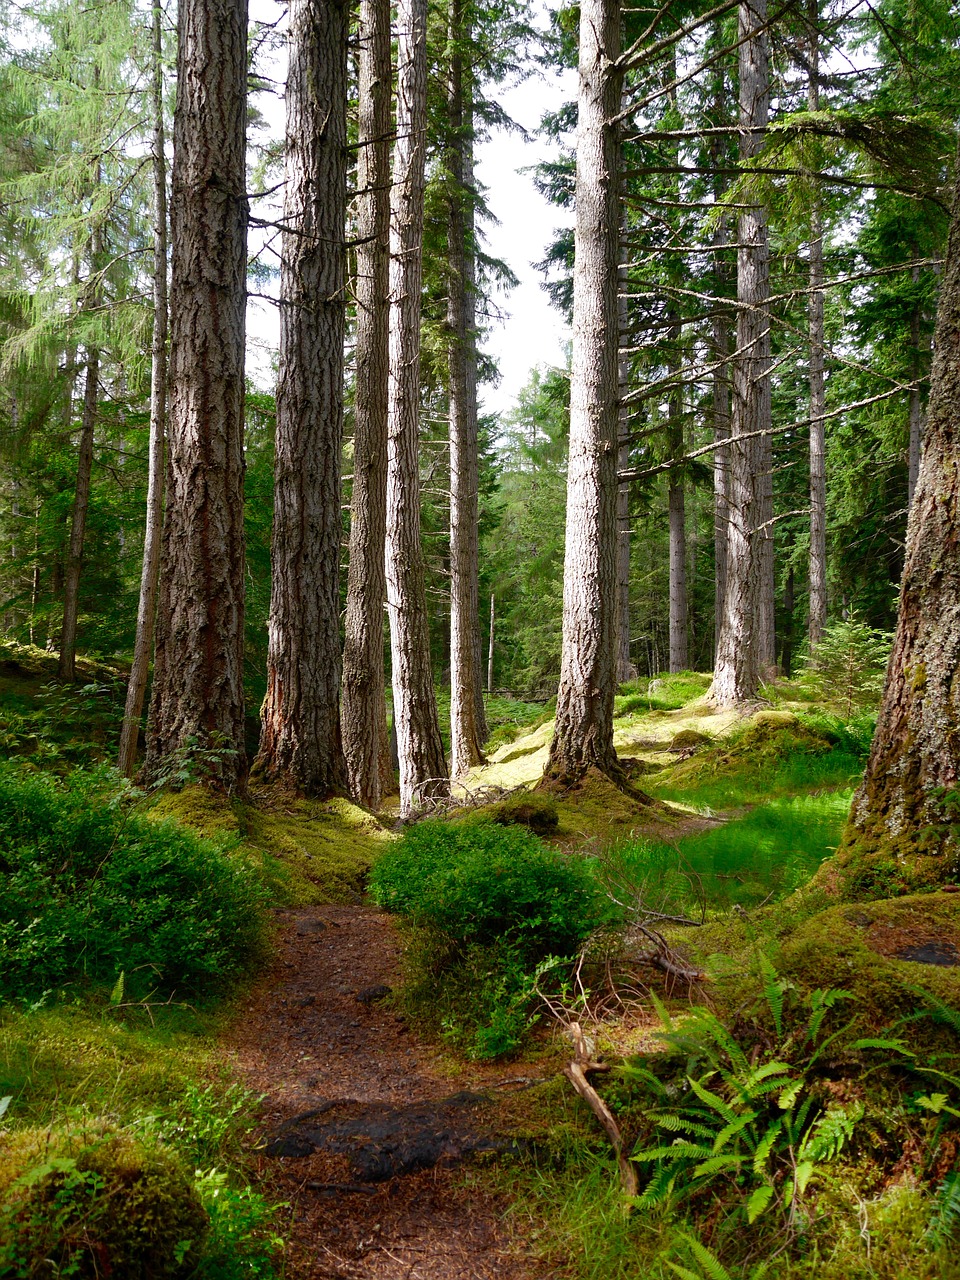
{"x": 772, "y": 850}
{"x": 775, "y": 754}
{"x": 662, "y": 693}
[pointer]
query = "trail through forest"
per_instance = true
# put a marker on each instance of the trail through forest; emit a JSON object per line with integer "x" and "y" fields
{"x": 364, "y": 1133}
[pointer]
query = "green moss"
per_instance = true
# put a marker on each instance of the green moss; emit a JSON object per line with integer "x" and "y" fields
{"x": 526, "y": 809}
{"x": 863, "y": 948}
{"x": 309, "y": 850}
{"x": 108, "y": 1207}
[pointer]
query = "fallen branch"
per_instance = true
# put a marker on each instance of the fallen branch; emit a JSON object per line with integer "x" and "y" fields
{"x": 576, "y": 1073}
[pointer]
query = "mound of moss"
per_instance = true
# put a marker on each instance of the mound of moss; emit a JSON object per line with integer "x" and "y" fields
{"x": 111, "y": 1207}
{"x": 897, "y": 957}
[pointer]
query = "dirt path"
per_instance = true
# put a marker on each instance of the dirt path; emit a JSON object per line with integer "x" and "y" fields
{"x": 363, "y": 1128}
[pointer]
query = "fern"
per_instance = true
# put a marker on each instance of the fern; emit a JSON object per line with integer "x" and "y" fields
{"x": 946, "y": 1215}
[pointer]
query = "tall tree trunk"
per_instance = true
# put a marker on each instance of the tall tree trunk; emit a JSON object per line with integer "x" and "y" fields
{"x": 916, "y": 405}
{"x": 150, "y": 572}
{"x": 625, "y": 669}
{"x": 300, "y": 744}
{"x": 902, "y": 825}
{"x": 197, "y": 695}
{"x": 818, "y": 474}
{"x": 584, "y": 726}
{"x": 468, "y": 729}
{"x": 364, "y": 715}
{"x": 423, "y": 769}
{"x": 677, "y": 515}
{"x": 744, "y": 648}
{"x": 67, "y": 664}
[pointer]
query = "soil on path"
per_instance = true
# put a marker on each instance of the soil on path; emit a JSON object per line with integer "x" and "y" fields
{"x": 351, "y": 1097}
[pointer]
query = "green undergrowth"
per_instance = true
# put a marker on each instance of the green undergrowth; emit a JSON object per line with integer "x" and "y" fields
{"x": 661, "y": 693}
{"x": 484, "y": 906}
{"x": 58, "y": 725}
{"x": 125, "y": 1146}
{"x": 769, "y": 851}
{"x": 93, "y": 894}
{"x": 309, "y": 851}
{"x": 776, "y": 753}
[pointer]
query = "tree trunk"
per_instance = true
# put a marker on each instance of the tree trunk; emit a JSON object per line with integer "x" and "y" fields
{"x": 197, "y": 700}
{"x": 625, "y": 669}
{"x": 679, "y": 654}
{"x": 744, "y": 649}
{"x": 468, "y": 729}
{"x": 584, "y": 725}
{"x": 916, "y": 407}
{"x": 423, "y": 769}
{"x": 150, "y": 571}
{"x": 300, "y": 744}
{"x": 364, "y": 714}
{"x": 902, "y": 830}
{"x": 493, "y": 615}
{"x": 818, "y": 475}
{"x": 720, "y": 413}
{"x": 67, "y": 665}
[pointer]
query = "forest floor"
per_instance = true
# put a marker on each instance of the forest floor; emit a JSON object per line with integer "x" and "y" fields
{"x": 364, "y": 1125}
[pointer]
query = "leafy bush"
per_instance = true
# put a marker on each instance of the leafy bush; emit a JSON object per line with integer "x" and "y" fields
{"x": 487, "y": 903}
{"x": 484, "y": 884}
{"x": 90, "y": 890}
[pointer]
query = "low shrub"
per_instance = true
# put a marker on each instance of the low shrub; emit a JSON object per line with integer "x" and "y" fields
{"x": 90, "y": 890}
{"x": 485, "y": 905}
{"x": 486, "y": 883}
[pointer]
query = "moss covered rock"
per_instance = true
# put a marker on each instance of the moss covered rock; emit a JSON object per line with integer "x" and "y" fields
{"x": 110, "y": 1207}
{"x": 883, "y": 952}
{"x": 529, "y": 809}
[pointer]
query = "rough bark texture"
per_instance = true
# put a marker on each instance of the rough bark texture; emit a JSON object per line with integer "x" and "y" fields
{"x": 363, "y": 714}
{"x": 818, "y": 473}
{"x": 625, "y": 669}
{"x": 150, "y": 571}
{"x": 915, "y": 444}
{"x": 198, "y": 671}
{"x": 584, "y": 726}
{"x": 468, "y": 729}
{"x": 745, "y": 639}
{"x": 720, "y": 414}
{"x": 423, "y": 769}
{"x": 300, "y": 743}
{"x": 902, "y": 828}
{"x": 679, "y": 654}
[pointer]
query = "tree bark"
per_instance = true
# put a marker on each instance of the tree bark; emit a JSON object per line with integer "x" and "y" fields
{"x": 584, "y": 725}
{"x": 364, "y": 714}
{"x": 150, "y": 570}
{"x": 915, "y": 445}
{"x": 423, "y": 769}
{"x": 67, "y": 664}
{"x": 625, "y": 669}
{"x": 745, "y": 641}
{"x": 818, "y": 475}
{"x": 902, "y": 828}
{"x": 197, "y": 698}
{"x": 468, "y": 729}
{"x": 300, "y": 744}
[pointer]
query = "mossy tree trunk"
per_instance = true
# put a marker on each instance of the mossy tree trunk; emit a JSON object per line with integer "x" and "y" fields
{"x": 899, "y": 815}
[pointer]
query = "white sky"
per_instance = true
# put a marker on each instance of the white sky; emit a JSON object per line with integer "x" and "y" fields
{"x": 532, "y": 332}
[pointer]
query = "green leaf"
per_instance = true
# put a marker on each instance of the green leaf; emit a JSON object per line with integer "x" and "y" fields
{"x": 789, "y": 1096}
{"x": 759, "y": 1201}
{"x": 765, "y": 1145}
{"x": 5, "y": 1104}
{"x": 805, "y": 1171}
{"x": 712, "y": 1100}
{"x": 716, "y": 1164}
{"x": 730, "y": 1130}
{"x": 116, "y": 995}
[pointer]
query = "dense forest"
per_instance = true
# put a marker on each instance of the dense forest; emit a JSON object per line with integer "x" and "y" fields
{"x": 597, "y": 758}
